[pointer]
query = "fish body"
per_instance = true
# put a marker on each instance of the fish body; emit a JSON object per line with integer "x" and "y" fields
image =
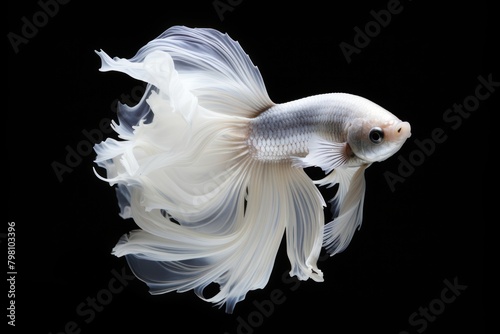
{"x": 211, "y": 170}
{"x": 285, "y": 131}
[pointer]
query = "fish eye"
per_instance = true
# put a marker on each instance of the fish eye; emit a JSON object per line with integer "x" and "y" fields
{"x": 376, "y": 135}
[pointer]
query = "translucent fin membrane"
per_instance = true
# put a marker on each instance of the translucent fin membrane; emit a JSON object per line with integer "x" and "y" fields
{"x": 213, "y": 199}
{"x": 171, "y": 257}
{"x": 347, "y": 207}
{"x": 184, "y": 174}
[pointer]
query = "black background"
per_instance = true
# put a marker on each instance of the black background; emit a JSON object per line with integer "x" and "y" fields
{"x": 428, "y": 229}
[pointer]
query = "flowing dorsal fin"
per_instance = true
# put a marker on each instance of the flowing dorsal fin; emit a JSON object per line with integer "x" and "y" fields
{"x": 210, "y": 65}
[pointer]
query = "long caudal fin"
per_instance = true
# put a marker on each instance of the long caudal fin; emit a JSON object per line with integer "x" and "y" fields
{"x": 207, "y": 211}
{"x": 171, "y": 257}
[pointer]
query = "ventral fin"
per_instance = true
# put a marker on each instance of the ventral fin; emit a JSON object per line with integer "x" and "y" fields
{"x": 347, "y": 207}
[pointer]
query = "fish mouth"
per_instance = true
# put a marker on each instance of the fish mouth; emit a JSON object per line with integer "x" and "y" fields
{"x": 404, "y": 129}
{"x": 398, "y": 131}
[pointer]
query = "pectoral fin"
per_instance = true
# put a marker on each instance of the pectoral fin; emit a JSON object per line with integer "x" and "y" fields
{"x": 325, "y": 154}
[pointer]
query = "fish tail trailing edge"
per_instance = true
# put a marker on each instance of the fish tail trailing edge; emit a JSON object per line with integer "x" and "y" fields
{"x": 207, "y": 210}
{"x": 170, "y": 257}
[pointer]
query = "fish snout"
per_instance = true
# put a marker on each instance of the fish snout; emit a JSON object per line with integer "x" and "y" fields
{"x": 398, "y": 131}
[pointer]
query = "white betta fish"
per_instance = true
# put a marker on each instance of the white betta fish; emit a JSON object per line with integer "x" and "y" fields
{"x": 211, "y": 170}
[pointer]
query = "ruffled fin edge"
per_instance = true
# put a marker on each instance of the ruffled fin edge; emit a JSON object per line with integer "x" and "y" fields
{"x": 172, "y": 257}
{"x": 347, "y": 207}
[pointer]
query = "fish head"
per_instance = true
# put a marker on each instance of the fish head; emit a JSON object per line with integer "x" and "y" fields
{"x": 377, "y": 137}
